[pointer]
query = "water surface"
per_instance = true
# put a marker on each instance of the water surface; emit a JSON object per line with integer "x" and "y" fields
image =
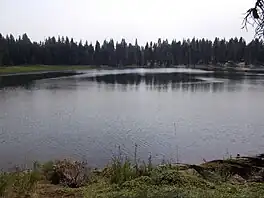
{"x": 204, "y": 115}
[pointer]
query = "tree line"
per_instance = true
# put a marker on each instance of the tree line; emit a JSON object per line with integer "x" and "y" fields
{"x": 65, "y": 51}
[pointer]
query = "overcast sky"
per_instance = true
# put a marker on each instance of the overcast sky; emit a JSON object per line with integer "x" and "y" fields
{"x": 146, "y": 20}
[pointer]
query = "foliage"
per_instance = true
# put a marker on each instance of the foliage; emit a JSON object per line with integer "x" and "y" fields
{"x": 48, "y": 172}
{"x": 18, "y": 183}
{"x": 167, "y": 181}
{"x": 65, "y": 51}
{"x": 122, "y": 169}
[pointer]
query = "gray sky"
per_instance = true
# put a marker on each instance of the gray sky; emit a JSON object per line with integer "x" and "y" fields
{"x": 146, "y": 20}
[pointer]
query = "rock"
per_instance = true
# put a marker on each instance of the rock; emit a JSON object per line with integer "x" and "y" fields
{"x": 192, "y": 171}
{"x": 261, "y": 173}
{"x": 97, "y": 171}
{"x": 237, "y": 179}
{"x": 205, "y": 173}
{"x": 255, "y": 178}
{"x": 258, "y": 176}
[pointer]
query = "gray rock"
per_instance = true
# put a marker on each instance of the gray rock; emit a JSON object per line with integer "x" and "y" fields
{"x": 237, "y": 179}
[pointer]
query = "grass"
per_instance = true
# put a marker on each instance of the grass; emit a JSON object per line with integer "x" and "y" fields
{"x": 18, "y": 183}
{"x": 41, "y": 68}
{"x": 170, "y": 182}
{"x": 134, "y": 179}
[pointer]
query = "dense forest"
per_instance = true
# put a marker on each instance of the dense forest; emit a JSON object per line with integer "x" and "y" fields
{"x": 65, "y": 51}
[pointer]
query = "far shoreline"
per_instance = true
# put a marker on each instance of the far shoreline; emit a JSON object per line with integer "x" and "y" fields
{"x": 40, "y": 69}
{"x": 20, "y": 75}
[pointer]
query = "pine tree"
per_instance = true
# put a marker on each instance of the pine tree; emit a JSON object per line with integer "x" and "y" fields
{"x": 65, "y": 51}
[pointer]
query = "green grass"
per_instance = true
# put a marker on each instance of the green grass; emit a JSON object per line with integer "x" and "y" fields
{"x": 18, "y": 183}
{"x": 41, "y": 68}
{"x": 141, "y": 190}
{"x": 124, "y": 179}
{"x": 170, "y": 182}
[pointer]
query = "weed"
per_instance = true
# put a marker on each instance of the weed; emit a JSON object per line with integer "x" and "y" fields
{"x": 122, "y": 170}
{"x": 19, "y": 183}
{"x": 224, "y": 172}
{"x": 4, "y": 183}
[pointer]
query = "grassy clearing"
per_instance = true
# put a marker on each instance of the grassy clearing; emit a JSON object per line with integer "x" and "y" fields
{"x": 41, "y": 68}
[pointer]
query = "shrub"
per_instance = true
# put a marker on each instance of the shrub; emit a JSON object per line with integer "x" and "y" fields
{"x": 69, "y": 173}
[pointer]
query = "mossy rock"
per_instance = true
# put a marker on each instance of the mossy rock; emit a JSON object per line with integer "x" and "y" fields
{"x": 242, "y": 167}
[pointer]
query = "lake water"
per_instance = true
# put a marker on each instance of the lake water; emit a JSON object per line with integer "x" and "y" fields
{"x": 200, "y": 114}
